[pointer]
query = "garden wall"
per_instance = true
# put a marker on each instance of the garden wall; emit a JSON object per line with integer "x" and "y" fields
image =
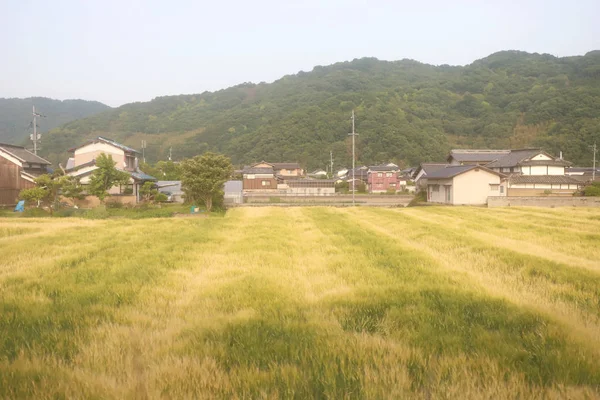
{"x": 543, "y": 202}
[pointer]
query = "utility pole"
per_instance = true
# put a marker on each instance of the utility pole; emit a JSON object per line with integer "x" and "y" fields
{"x": 331, "y": 163}
{"x": 35, "y": 137}
{"x": 144, "y": 151}
{"x": 594, "y": 167}
{"x": 170, "y": 153}
{"x": 353, "y": 134}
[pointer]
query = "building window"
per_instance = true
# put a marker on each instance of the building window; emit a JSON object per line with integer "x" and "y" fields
{"x": 501, "y": 189}
{"x": 266, "y": 183}
{"x": 392, "y": 185}
{"x": 435, "y": 188}
{"x": 494, "y": 188}
{"x": 379, "y": 174}
{"x": 388, "y": 174}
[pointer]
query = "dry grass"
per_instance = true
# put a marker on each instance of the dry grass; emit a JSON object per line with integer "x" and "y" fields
{"x": 303, "y": 303}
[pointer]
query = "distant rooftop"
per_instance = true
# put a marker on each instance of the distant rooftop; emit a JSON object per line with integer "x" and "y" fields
{"x": 107, "y": 141}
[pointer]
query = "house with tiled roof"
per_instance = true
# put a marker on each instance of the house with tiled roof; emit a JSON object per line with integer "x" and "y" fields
{"x": 464, "y": 185}
{"x": 18, "y": 169}
{"x": 474, "y": 156}
{"x": 533, "y": 172}
{"x": 383, "y": 178}
{"x": 421, "y": 172}
{"x": 83, "y": 164}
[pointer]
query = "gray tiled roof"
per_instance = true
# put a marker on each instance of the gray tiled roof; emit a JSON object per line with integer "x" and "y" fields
{"x": 513, "y": 158}
{"x": 432, "y": 167}
{"x": 453, "y": 170}
{"x": 557, "y": 162}
{"x": 261, "y": 170}
{"x": 543, "y": 179}
{"x": 477, "y": 155}
{"x": 382, "y": 168}
{"x": 285, "y": 165}
{"x": 23, "y": 154}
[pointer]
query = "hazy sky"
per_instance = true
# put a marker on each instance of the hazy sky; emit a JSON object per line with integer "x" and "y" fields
{"x": 119, "y": 51}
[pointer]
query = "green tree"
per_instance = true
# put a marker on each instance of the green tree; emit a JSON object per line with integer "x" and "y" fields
{"x": 105, "y": 177}
{"x": 71, "y": 188}
{"x": 203, "y": 177}
{"x": 149, "y": 193}
{"x": 45, "y": 193}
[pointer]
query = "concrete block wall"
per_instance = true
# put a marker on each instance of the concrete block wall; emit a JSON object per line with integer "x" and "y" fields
{"x": 543, "y": 202}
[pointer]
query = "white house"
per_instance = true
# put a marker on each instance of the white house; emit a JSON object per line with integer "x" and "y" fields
{"x": 533, "y": 172}
{"x": 83, "y": 164}
{"x": 464, "y": 185}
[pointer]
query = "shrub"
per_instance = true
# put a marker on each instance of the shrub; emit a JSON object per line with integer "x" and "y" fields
{"x": 592, "y": 189}
{"x": 420, "y": 197}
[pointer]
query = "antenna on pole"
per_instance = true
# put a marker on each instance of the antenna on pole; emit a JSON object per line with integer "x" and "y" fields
{"x": 35, "y": 136}
{"x": 353, "y": 134}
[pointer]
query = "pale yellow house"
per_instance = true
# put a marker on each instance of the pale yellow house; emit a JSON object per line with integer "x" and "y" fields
{"x": 464, "y": 185}
{"x": 83, "y": 164}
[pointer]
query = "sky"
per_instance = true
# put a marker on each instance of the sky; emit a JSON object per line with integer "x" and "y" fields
{"x": 117, "y": 51}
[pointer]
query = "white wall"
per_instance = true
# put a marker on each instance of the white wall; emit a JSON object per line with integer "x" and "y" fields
{"x": 473, "y": 187}
{"x": 541, "y": 157}
{"x": 556, "y": 170}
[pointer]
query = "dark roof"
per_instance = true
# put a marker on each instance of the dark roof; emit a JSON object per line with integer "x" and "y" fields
{"x": 285, "y": 165}
{"x": 379, "y": 168}
{"x": 464, "y": 155}
{"x": 556, "y": 162}
{"x": 453, "y": 170}
{"x": 312, "y": 183}
{"x": 261, "y": 170}
{"x": 140, "y": 176}
{"x": 429, "y": 168}
{"x": 108, "y": 141}
{"x": 514, "y": 158}
{"x": 581, "y": 169}
{"x": 22, "y": 154}
{"x": 543, "y": 179}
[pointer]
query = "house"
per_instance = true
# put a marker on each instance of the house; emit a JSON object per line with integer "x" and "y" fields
{"x": 172, "y": 189}
{"x": 420, "y": 173}
{"x": 474, "y": 157}
{"x": 360, "y": 176}
{"x": 83, "y": 164}
{"x": 533, "y": 172}
{"x": 284, "y": 170}
{"x": 464, "y": 185}
{"x": 311, "y": 187}
{"x": 259, "y": 179}
{"x": 383, "y": 178}
{"x": 233, "y": 192}
{"x": 18, "y": 169}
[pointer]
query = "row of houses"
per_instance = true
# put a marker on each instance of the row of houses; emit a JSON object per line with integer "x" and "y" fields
{"x": 467, "y": 176}
{"x": 471, "y": 176}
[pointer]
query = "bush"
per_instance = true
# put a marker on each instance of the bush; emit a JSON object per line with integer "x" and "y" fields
{"x": 35, "y": 213}
{"x": 420, "y": 197}
{"x": 592, "y": 189}
{"x": 114, "y": 204}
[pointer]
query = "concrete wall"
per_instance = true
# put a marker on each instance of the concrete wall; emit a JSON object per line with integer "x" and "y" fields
{"x": 520, "y": 192}
{"x": 438, "y": 196}
{"x": 93, "y": 201}
{"x": 346, "y": 199}
{"x": 544, "y": 202}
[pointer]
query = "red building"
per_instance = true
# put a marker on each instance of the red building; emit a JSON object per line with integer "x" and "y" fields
{"x": 383, "y": 178}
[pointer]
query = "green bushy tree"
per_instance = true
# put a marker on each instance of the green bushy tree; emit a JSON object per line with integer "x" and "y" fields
{"x": 203, "y": 178}
{"x": 105, "y": 177}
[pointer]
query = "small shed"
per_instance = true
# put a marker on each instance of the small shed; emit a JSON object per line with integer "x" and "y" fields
{"x": 172, "y": 189}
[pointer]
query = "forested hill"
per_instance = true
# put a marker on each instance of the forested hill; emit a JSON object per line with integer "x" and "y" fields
{"x": 15, "y": 115}
{"x": 406, "y": 112}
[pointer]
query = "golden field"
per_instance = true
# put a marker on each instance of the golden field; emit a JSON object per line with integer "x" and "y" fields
{"x": 433, "y": 302}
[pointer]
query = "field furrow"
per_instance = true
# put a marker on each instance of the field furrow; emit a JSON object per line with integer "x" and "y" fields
{"x": 302, "y": 303}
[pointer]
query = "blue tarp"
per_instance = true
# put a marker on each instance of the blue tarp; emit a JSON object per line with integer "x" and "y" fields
{"x": 20, "y": 206}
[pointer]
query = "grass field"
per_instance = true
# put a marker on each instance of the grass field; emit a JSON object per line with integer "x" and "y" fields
{"x": 303, "y": 303}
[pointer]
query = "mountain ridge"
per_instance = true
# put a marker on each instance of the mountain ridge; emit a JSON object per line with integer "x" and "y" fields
{"x": 406, "y": 111}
